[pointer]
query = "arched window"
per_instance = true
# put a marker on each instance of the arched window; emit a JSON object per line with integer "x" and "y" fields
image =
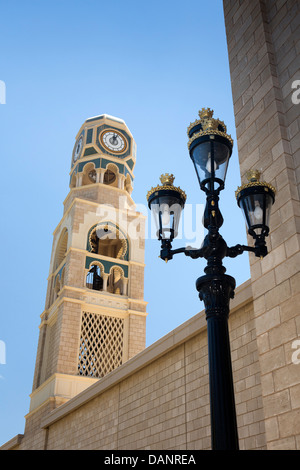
{"x": 73, "y": 181}
{"x": 107, "y": 240}
{"x": 115, "y": 280}
{"x": 89, "y": 174}
{"x": 111, "y": 175}
{"x": 61, "y": 248}
{"x": 108, "y": 247}
{"x": 128, "y": 184}
{"x": 93, "y": 279}
{"x": 56, "y": 288}
{"x": 62, "y": 278}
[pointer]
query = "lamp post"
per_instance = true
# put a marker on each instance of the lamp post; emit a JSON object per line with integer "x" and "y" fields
{"x": 210, "y": 149}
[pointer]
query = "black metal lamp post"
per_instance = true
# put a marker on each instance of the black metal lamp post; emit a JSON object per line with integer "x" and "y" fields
{"x": 210, "y": 149}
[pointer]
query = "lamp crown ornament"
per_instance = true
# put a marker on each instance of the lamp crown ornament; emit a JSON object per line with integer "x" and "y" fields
{"x": 205, "y": 113}
{"x": 167, "y": 180}
{"x": 253, "y": 177}
{"x": 208, "y": 122}
{"x": 207, "y": 125}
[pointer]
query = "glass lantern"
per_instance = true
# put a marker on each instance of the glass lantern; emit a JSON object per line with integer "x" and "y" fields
{"x": 166, "y": 203}
{"x": 210, "y": 149}
{"x": 256, "y": 198}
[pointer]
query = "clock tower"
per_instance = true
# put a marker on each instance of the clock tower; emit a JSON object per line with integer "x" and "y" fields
{"x": 95, "y": 313}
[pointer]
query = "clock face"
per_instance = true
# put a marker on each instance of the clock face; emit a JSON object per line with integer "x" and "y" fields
{"x": 78, "y": 148}
{"x": 113, "y": 141}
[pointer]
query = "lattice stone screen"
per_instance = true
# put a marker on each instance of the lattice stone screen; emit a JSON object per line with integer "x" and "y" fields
{"x": 101, "y": 344}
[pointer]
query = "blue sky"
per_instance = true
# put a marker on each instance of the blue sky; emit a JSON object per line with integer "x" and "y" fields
{"x": 153, "y": 64}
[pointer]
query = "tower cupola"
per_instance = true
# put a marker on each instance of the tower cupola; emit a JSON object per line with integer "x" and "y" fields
{"x": 104, "y": 152}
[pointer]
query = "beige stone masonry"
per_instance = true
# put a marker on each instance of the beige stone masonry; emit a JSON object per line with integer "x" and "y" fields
{"x": 159, "y": 399}
{"x": 263, "y": 47}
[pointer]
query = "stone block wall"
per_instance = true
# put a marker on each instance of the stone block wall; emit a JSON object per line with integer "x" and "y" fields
{"x": 263, "y": 46}
{"x": 159, "y": 399}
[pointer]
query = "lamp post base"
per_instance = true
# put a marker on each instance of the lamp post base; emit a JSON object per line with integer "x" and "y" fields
{"x": 216, "y": 290}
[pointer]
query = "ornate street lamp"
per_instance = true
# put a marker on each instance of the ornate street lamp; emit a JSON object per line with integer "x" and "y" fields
{"x": 210, "y": 149}
{"x": 256, "y": 198}
{"x": 166, "y": 203}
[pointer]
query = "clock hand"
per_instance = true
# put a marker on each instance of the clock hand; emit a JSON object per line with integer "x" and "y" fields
{"x": 114, "y": 140}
